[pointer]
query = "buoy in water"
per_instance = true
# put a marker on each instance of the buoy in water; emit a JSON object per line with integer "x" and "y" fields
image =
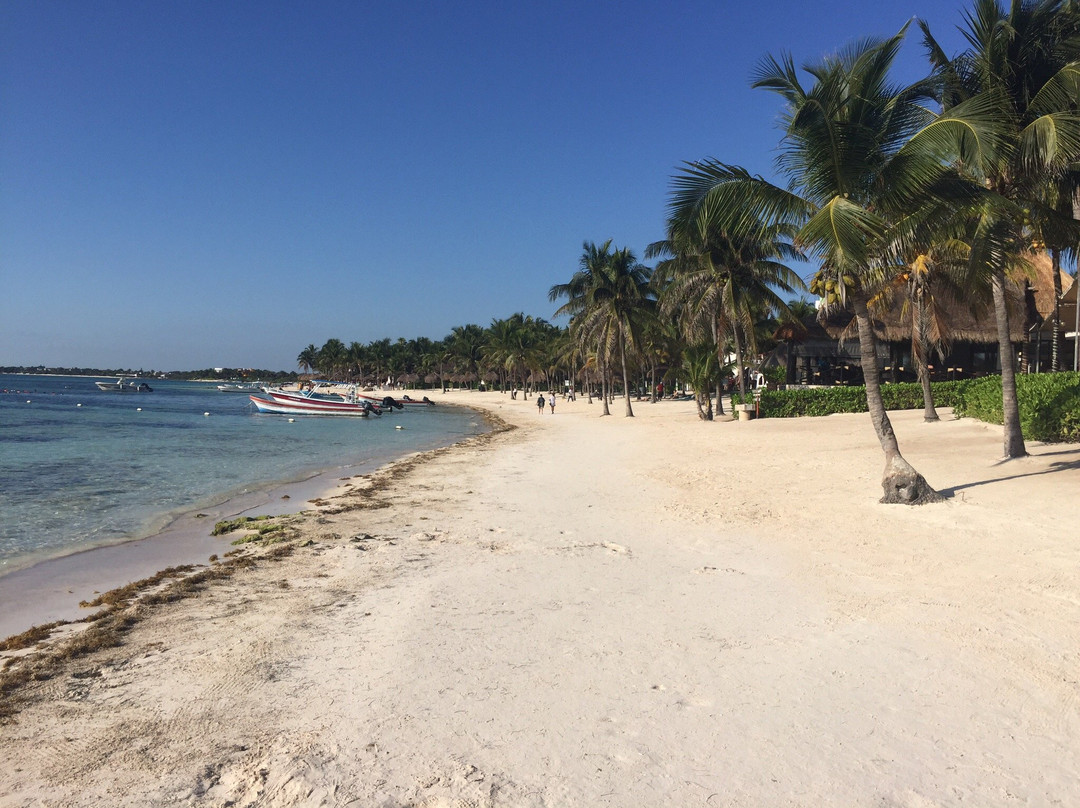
{"x": 27, "y": 401}
{"x": 399, "y": 426}
{"x": 138, "y": 409}
{"x": 291, "y": 420}
{"x": 206, "y": 413}
{"x": 78, "y": 405}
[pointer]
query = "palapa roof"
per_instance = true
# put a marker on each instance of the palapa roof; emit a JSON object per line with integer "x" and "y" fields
{"x": 1029, "y": 297}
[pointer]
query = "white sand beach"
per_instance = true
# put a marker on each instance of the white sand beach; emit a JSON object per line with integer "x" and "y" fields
{"x": 593, "y": 611}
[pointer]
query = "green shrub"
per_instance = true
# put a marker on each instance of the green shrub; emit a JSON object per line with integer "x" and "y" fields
{"x": 829, "y": 400}
{"x": 1049, "y": 404}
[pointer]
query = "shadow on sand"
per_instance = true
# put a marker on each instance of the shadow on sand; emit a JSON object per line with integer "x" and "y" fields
{"x": 1054, "y": 467}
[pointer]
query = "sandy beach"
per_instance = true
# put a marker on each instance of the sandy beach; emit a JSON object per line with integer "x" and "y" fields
{"x": 587, "y": 611}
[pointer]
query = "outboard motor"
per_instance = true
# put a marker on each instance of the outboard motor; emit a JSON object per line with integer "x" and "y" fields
{"x": 389, "y": 403}
{"x": 428, "y": 401}
{"x": 371, "y": 409}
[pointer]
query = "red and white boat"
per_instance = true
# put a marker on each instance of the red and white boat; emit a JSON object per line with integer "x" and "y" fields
{"x": 285, "y": 406}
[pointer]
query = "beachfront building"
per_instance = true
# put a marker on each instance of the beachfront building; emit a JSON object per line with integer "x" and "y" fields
{"x": 824, "y": 350}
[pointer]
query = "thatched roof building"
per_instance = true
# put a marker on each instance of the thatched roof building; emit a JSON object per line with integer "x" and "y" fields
{"x": 1030, "y": 299}
{"x": 826, "y": 349}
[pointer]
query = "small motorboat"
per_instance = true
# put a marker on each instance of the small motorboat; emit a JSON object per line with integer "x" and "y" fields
{"x": 124, "y": 385}
{"x": 289, "y": 406}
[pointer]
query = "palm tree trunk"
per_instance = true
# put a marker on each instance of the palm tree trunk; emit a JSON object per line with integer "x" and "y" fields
{"x": 739, "y": 364}
{"x": 625, "y": 377}
{"x": 900, "y": 482}
{"x": 719, "y": 364}
{"x": 1055, "y": 345}
{"x": 919, "y": 353}
{"x": 1014, "y": 437}
{"x": 604, "y": 389}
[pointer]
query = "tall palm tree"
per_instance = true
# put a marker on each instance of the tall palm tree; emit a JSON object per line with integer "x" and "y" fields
{"x": 308, "y": 358}
{"x": 859, "y": 152}
{"x": 466, "y": 343}
{"x": 332, "y": 357}
{"x": 702, "y": 368}
{"x": 722, "y": 271}
{"x": 1023, "y": 60}
{"x": 610, "y": 299}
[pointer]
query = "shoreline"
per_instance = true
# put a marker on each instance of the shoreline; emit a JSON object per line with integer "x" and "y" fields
{"x": 50, "y": 588}
{"x": 608, "y": 611}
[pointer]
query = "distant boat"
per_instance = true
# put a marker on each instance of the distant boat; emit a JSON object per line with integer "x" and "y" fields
{"x": 242, "y": 387}
{"x": 123, "y": 385}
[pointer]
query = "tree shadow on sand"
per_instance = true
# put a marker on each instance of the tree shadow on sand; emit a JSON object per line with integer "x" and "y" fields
{"x": 1055, "y": 467}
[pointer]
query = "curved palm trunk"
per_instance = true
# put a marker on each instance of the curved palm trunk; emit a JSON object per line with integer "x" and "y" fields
{"x": 1014, "y": 437}
{"x": 625, "y": 377}
{"x": 900, "y": 482}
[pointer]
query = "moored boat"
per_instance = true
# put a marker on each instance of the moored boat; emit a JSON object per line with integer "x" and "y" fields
{"x": 124, "y": 385}
{"x": 242, "y": 387}
{"x": 284, "y": 406}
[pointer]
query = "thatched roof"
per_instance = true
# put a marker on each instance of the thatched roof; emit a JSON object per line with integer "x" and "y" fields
{"x": 1029, "y": 297}
{"x": 1067, "y": 311}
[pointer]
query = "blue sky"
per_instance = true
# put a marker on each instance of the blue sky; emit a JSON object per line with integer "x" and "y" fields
{"x": 188, "y": 185}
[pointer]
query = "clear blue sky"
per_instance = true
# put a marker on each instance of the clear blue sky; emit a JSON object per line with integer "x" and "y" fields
{"x": 187, "y": 185}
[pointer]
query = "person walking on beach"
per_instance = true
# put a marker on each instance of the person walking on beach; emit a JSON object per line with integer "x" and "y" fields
{"x": 540, "y": 403}
{"x": 551, "y": 401}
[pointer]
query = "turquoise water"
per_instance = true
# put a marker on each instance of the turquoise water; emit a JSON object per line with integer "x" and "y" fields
{"x": 73, "y": 477}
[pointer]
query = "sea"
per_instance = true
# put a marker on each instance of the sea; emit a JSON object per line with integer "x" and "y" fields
{"x": 82, "y": 468}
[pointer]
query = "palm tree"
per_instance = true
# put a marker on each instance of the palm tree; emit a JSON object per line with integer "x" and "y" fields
{"x": 610, "y": 299}
{"x": 724, "y": 270}
{"x": 702, "y": 368}
{"x": 466, "y": 343}
{"x": 1022, "y": 61}
{"x": 308, "y": 358}
{"x": 859, "y": 153}
{"x": 332, "y": 357}
{"x": 514, "y": 345}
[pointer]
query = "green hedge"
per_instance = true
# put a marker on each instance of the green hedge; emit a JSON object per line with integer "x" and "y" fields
{"x": 829, "y": 400}
{"x": 1049, "y": 402}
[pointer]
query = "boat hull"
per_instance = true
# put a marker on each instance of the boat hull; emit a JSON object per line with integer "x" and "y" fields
{"x": 310, "y": 408}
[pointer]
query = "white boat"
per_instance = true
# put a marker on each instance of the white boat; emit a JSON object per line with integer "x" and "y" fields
{"x": 242, "y": 387}
{"x": 124, "y": 385}
{"x": 286, "y": 406}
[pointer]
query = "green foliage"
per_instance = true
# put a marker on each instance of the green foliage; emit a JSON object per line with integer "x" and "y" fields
{"x": 829, "y": 400}
{"x": 1049, "y": 404}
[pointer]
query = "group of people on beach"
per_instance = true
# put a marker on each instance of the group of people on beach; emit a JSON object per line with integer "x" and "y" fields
{"x": 540, "y": 403}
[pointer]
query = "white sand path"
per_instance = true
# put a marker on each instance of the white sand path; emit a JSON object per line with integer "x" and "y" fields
{"x": 605, "y": 611}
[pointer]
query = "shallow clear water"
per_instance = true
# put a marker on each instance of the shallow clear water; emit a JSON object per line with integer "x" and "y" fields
{"x": 72, "y": 476}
